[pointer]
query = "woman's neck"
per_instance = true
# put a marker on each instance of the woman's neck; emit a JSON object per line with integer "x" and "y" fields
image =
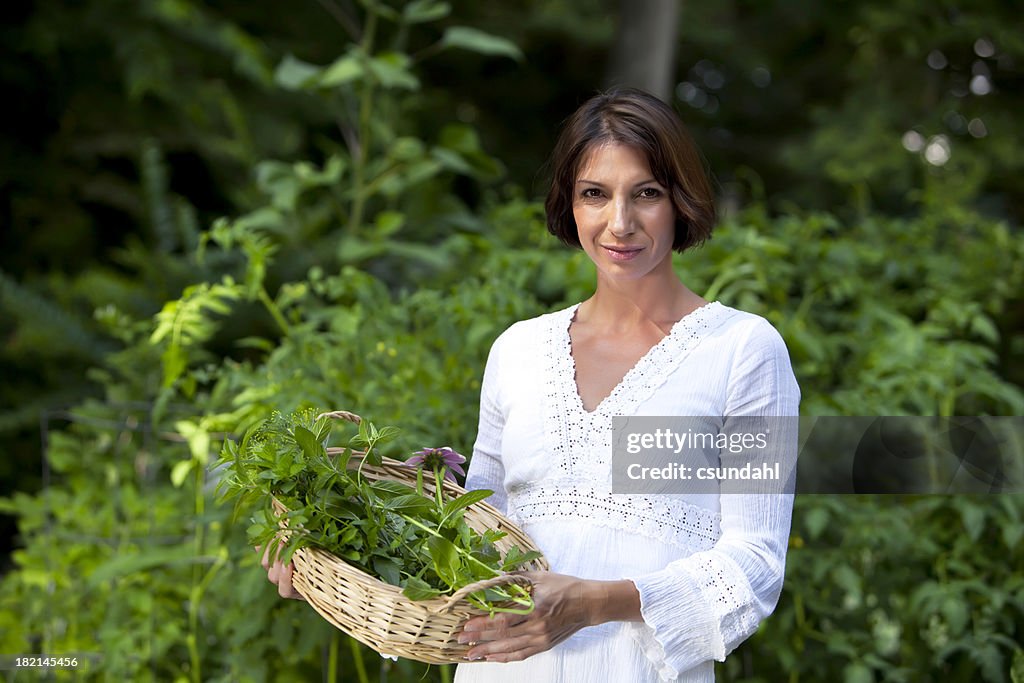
{"x": 625, "y": 305}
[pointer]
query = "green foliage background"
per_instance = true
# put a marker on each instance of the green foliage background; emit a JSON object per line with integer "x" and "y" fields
{"x": 216, "y": 210}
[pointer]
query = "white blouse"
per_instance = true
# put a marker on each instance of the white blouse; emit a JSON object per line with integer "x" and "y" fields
{"x": 708, "y": 567}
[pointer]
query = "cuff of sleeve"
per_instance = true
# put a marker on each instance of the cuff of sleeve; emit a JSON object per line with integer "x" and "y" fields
{"x": 678, "y": 620}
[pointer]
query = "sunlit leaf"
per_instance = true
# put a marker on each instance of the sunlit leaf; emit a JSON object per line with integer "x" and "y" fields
{"x": 475, "y": 40}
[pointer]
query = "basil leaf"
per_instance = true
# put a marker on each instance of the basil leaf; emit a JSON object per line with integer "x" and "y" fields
{"x": 463, "y": 501}
{"x": 445, "y": 558}
{"x": 311, "y": 447}
{"x": 387, "y": 570}
{"x": 410, "y": 504}
{"x": 418, "y": 589}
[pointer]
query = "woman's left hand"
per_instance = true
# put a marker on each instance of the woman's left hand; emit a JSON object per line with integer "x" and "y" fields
{"x": 562, "y": 605}
{"x": 559, "y": 611}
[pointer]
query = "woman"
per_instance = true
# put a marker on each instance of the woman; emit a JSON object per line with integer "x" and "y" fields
{"x": 642, "y": 587}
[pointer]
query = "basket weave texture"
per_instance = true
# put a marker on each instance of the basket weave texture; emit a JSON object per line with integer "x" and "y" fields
{"x": 376, "y": 613}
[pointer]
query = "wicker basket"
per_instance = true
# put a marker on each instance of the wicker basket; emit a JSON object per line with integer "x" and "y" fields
{"x": 376, "y": 613}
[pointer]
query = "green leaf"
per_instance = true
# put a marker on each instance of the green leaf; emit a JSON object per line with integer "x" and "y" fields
{"x": 1017, "y": 668}
{"x": 391, "y": 70}
{"x": 493, "y": 536}
{"x": 387, "y": 433}
{"x": 322, "y": 428}
{"x": 374, "y": 457}
{"x": 445, "y": 558}
{"x": 414, "y": 504}
{"x": 464, "y": 501}
{"x": 343, "y": 70}
{"x": 388, "y": 570}
{"x": 1012, "y": 534}
{"x": 180, "y": 471}
{"x": 198, "y": 439}
{"x": 974, "y": 519}
{"x": 475, "y": 40}
{"x": 295, "y": 74}
{"x": 341, "y": 459}
{"x": 308, "y": 442}
{"x": 380, "y": 9}
{"x": 816, "y": 520}
{"x": 956, "y": 613}
{"x": 858, "y": 673}
{"x": 174, "y": 362}
{"x": 388, "y": 488}
{"x": 452, "y": 161}
{"x": 418, "y": 589}
{"x": 422, "y": 11}
{"x": 982, "y": 326}
{"x": 515, "y": 558}
{"x": 388, "y": 223}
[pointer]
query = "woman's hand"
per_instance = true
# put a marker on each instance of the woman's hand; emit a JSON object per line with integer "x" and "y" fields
{"x": 280, "y": 575}
{"x": 562, "y": 605}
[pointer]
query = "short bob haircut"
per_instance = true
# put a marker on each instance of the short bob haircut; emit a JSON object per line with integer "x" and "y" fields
{"x": 639, "y": 120}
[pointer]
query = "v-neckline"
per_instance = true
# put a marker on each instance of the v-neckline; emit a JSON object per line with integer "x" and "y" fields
{"x": 623, "y": 385}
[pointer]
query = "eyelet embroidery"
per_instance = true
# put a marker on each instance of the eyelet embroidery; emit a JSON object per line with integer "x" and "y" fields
{"x": 580, "y": 441}
{"x": 672, "y": 521}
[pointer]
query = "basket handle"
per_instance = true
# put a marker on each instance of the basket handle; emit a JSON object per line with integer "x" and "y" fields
{"x": 500, "y": 580}
{"x": 341, "y": 415}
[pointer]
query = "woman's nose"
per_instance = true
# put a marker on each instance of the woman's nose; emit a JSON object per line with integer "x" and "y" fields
{"x": 620, "y": 222}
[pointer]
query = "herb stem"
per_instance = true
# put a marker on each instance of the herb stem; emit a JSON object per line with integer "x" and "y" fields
{"x": 438, "y": 488}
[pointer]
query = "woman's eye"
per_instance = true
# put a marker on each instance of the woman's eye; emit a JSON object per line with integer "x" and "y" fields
{"x": 591, "y": 193}
{"x": 650, "y": 192}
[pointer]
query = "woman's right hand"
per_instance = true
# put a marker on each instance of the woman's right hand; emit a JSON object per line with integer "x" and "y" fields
{"x": 279, "y": 574}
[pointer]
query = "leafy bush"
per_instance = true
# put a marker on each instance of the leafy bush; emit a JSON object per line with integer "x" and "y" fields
{"x": 366, "y": 281}
{"x": 878, "y": 588}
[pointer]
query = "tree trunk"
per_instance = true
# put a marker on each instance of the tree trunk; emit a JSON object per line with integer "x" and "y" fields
{"x": 643, "y": 55}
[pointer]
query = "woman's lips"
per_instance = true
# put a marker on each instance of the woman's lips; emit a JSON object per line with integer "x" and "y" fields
{"x": 622, "y": 253}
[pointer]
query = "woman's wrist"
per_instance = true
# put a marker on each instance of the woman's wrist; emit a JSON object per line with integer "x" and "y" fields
{"x": 611, "y": 601}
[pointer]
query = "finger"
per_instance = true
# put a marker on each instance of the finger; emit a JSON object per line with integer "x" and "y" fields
{"x": 476, "y": 626}
{"x": 506, "y": 650}
{"x": 514, "y": 625}
{"x": 265, "y": 558}
{"x": 274, "y": 573}
{"x": 284, "y": 582}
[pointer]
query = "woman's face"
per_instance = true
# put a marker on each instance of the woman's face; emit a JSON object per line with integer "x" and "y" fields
{"x": 625, "y": 218}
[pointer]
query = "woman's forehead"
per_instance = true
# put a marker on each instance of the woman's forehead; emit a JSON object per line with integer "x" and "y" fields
{"x": 611, "y": 152}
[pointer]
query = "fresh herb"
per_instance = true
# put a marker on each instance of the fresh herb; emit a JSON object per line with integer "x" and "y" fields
{"x": 412, "y": 537}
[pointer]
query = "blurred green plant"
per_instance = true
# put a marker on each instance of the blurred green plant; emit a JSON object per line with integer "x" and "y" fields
{"x": 364, "y": 278}
{"x": 413, "y": 358}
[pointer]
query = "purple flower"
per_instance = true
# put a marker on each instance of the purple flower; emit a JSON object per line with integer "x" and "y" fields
{"x": 444, "y": 458}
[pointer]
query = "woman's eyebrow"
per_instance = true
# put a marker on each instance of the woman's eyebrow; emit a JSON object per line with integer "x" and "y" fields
{"x": 584, "y": 181}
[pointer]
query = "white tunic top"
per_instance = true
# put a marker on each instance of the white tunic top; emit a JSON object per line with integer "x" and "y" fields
{"x": 708, "y": 567}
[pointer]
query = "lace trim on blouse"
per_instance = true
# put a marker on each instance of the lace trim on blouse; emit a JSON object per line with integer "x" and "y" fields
{"x": 581, "y": 440}
{"x": 662, "y": 518}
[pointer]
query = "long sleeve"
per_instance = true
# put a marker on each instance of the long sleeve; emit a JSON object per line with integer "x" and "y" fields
{"x": 703, "y": 606}
{"x": 486, "y": 470}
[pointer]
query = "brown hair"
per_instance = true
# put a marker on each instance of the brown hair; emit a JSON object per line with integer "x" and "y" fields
{"x": 641, "y": 121}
